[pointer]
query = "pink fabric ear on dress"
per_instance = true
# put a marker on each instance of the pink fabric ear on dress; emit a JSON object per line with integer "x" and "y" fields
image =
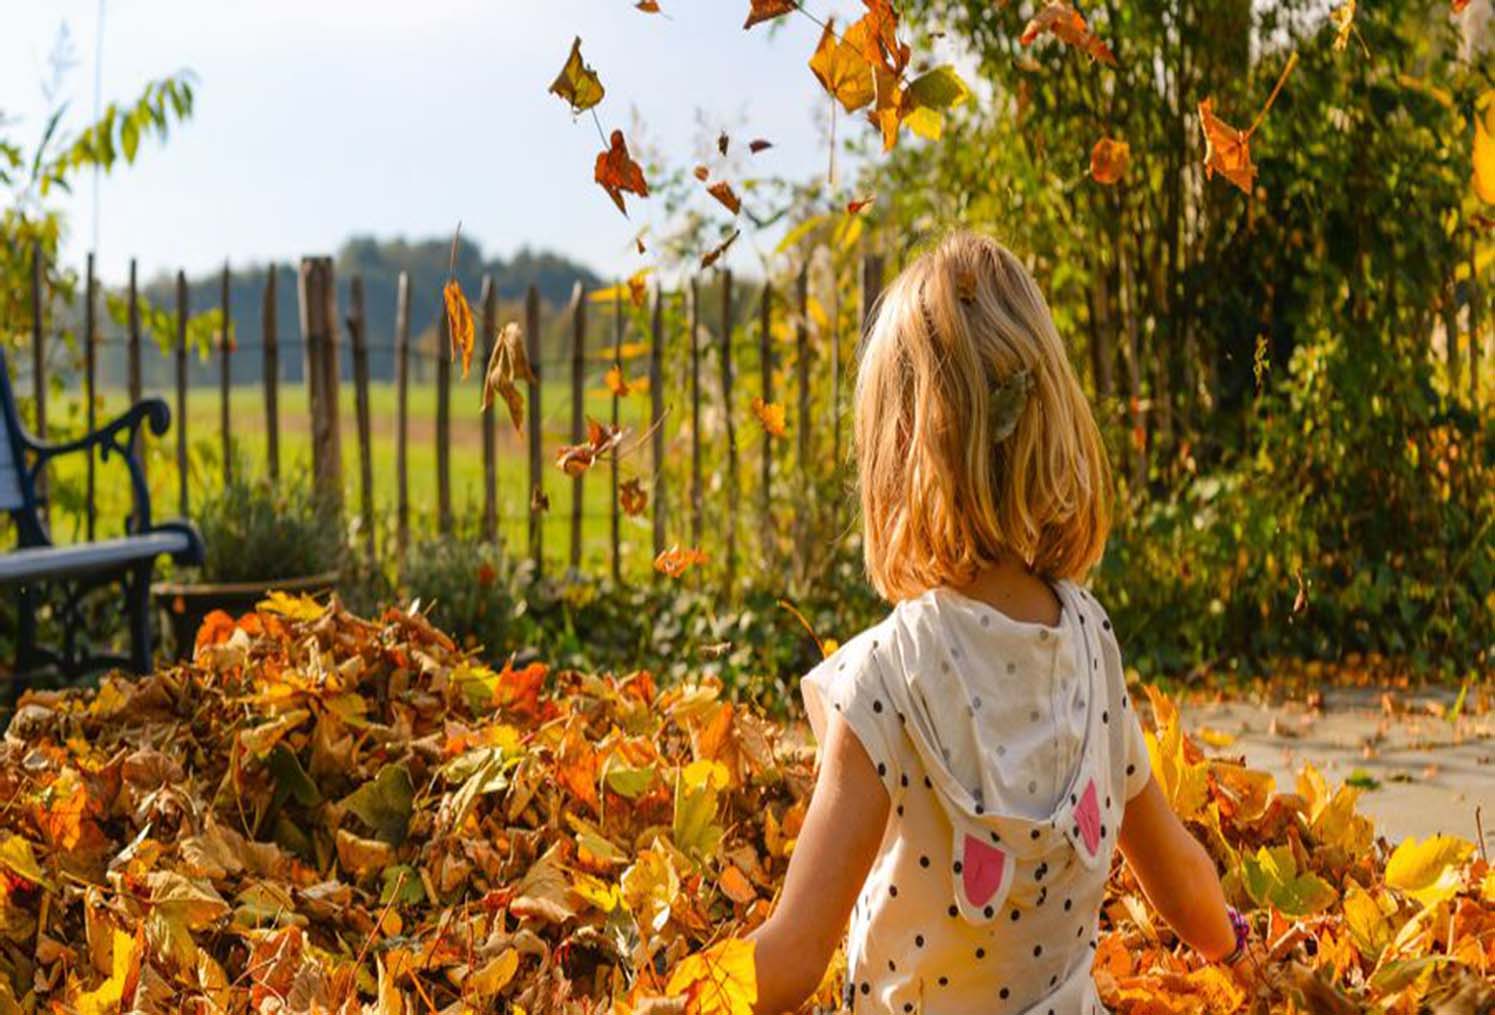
{"x": 1087, "y": 816}
{"x": 982, "y": 872}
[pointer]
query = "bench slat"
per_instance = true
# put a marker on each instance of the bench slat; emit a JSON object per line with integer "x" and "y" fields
{"x": 10, "y": 476}
{"x": 81, "y": 558}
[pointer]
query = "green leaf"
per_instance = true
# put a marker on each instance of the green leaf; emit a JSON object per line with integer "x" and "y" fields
{"x": 385, "y": 803}
{"x": 694, "y": 829}
{"x": 291, "y": 779}
{"x": 940, "y": 88}
{"x": 402, "y": 885}
{"x": 1271, "y": 878}
{"x": 629, "y": 782}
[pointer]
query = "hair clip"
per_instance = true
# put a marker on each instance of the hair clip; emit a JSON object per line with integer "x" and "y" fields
{"x": 1008, "y": 400}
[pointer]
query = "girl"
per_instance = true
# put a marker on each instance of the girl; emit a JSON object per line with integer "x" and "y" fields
{"x": 981, "y": 759}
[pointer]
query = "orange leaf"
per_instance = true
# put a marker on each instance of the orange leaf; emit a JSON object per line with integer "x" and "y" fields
{"x": 638, "y": 287}
{"x": 714, "y": 255}
{"x": 508, "y": 364}
{"x": 675, "y": 561}
{"x": 702, "y": 173}
{"x": 616, "y": 382}
{"x": 1066, "y": 24}
{"x": 736, "y": 886}
{"x": 459, "y": 323}
{"x": 1109, "y": 160}
{"x": 841, "y": 68}
{"x": 722, "y": 191}
{"x": 759, "y": 144}
{"x": 767, "y": 10}
{"x": 1227, "y": 151}
{"x": 577, "y": 83}
{"x": 617, "y": 172}
{"x": 770, "y": 415}
{"x": 575, "y": 459}
{"x": 648, "y": 6}
{"x": 632, "y": 497}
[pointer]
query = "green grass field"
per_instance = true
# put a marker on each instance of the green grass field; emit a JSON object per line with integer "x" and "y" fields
{"x": 249, "y": 434}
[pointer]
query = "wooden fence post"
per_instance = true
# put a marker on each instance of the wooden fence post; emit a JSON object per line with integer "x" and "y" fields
{"x": 1476, "y": 340}
{"x": 132, "y": 362}
{"x": 489, "y": 302}
{"x": 536, "y": 480}
{"x": 443, "y": 424}
{"x": 656, "y": 416}
{"x": 765, "y": 364}
{"x": 730, "y": 411}
{"x": 225, "y": 378}
{"x": 489, "y": 419}
{"x": 695, "y": 412}
{"x": 616, "y": 527}
{"x": 578, "y": 408}
{"x": 871, "y": 288}
{"x": 802, "y": 376}
{"x": 402, "y": 417}
{"x": 181, "y": 391}
{"x": 270, "y": 333}
{"x": 358, "y": 337}
{"x": 317, "y": 296}
{"x": 39, "y": 366}
{"x": 90, "y": 390}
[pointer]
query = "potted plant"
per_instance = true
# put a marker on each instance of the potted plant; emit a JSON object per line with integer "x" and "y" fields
{"x": 257, "y": 536}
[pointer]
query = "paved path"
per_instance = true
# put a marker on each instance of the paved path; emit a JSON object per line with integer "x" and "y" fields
{"x": 1433, "y": 773}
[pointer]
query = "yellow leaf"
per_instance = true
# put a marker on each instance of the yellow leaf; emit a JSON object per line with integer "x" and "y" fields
{"x": 489, "y": 979}
{"x": 460, "y": 326}
{"x": 104, "y": 1000}
{"x": 1183, "y": 782}
{"x": 695, "y": 829}
{"x": 578, "y": 83}
{"x": 1332, "y": 817}
{"x": 1218, "y": 739}
{"x": 722, "y": 980}
{"x": 1365, "y": 918}
{"x": 649, "y": 889}
{"x": 599, "y": 893}
{"x": 1484, "y": 147}
{"x": 298, "y": 607}
{"x": 841, "y": 69}
{"x": 771, "y": 415}
{"x": 16, "y": 856}
{"x": 1428, "y": 871}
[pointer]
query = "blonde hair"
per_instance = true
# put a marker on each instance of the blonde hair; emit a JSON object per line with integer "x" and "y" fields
{"x": 941, "y": 378}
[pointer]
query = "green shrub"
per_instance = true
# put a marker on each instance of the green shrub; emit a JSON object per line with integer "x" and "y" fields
{"x": 254, "y": 530}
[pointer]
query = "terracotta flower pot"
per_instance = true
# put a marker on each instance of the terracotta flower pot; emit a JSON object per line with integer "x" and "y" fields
{"x": 185, "y": 604}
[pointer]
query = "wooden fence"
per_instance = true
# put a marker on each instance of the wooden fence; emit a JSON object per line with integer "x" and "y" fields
{"x": 329, "y": 333}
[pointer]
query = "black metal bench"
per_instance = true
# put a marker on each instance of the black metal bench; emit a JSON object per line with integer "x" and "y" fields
{"x": 37, "y": 567}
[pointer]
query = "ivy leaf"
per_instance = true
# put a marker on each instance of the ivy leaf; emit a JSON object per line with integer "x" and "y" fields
{"x": 578, "y": 83}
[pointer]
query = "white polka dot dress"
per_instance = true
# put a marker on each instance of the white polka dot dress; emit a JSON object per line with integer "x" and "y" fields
{"x": 1009, "y": 751}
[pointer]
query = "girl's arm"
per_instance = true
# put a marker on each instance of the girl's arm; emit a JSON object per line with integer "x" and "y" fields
{"x": 1176, "y": 873}
{"x": 840, "y": 838}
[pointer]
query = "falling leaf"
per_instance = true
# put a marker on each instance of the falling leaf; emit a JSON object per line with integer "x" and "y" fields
{"x": 771, "y": 416}
{"x": 576, "y": 459}
{"x": 459, "y": 323}
{"x": 648, "y": 6}
{"x": 1109, "y": 160}
{"x": 842, "y": 70}
{"x": 632, "y": 497}
{"x": 929, "y": 97}
{"x": 723, "y": 142}
{"x": 617, "y": 172}
{"x": 767, "y": 10}
{"x": 1227, "y": 151}
{"x": 758, "y": 145}
{"x": 508, "y": 364}
{"x": 616, "y": 382}
{"x": 539, "y": 500}
{"x": 722, "y": 980}
{"x": 702, "y": 173}
{"x": 715, "y": 254}
{"x": 1343, "y": 18}
{"x": 577, "y": 83}
{"x": 638, "y": 287}
{"x": 675, "y": 561}
{"x": 722, "y": 191}
{"x": 638, "y": 241}
{"x": 1066, "y": 24}
{"x": 860, "y": 205}
{"x": 1484, "y": 147}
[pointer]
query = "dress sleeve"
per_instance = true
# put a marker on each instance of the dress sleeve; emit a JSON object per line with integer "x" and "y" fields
{"x": 1138, "y": 767}
{"x": 850, "y": 684}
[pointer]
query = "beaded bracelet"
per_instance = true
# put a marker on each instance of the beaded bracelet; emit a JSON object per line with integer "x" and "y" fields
{"x": 1242, "y": 934}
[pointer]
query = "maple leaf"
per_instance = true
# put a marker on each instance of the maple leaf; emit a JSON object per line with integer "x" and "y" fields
{"x": 459, "y": 323}
{"x": 1109, "y": 160}
{"x": 722, "y": 191}
{"x": 632, "y": 497}
{"x": 842, "y": 69}
{"x": 759, "y": 144}
{"x": 767, "y": 10}
{"x": 770, "y": 416}
{"x": 1227, "y": 151}
{"x": 715, "y": 254}
{"x": 675, "y": 561}
{"x": 722, "y": 980}
{"x": 1066, "y": 24}
{"x": 577, "y": 83}
{"x": 507, "y": 365}
{"x": 617, "y": 172}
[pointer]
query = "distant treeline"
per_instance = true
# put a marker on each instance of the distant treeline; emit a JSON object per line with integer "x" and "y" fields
{"x": 379, "y": 262}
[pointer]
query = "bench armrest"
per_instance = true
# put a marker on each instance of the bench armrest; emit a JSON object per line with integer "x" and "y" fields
{"x": 115, "y": 437}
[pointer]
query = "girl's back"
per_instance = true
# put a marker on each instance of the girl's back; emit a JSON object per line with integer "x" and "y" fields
{"x": 1008, "y": 751}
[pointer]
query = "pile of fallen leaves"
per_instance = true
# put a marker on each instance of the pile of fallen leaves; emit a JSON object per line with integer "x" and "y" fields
{"x": 328, "y": 814}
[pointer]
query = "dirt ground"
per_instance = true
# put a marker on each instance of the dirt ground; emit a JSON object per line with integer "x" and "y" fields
{"x": 1429, "y": 775}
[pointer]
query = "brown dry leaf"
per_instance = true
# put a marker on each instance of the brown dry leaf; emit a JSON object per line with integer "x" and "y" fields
{"x": 1227, "y": 151}
{"x": 675, "y": 561}
{"x": 715, "y": 254}
{"x": 722, "y": 191}
{"x": 723, "y": 142}
{"x": 459, "y": 323}
{"x": 539, "y": 500}
{"x": 648, "y": 6}
{"x": 576, "y": 459}
{"x": 632, "y": 497}
{"x": 842, "y": 69}
{"x": 1109, "y": 160}
{"x": 617, "y": 172}
{"x": 771, "y": 415}
{"x": 759, "y": 144}
{"x": 767, "y": 10}
{"x": 1066, "y": 24}
{"x": 508, "y": 365}
{"x": 577, "y": 83}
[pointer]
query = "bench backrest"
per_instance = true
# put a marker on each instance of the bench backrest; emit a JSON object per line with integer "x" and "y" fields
{"x": 11, "y": 497}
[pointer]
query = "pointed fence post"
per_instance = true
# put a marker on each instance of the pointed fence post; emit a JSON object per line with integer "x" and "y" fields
{"x": 802, "y": 387}
{"x": 317, "y": 296}
{"x": 402, "y": 415}
{"x": 358, "y": 337}
{"x": 656, "y": 416}
{"x": 225, "y": 377}
{"x": 695, "y": 413}
{"x": 443, "y": 424}
{"x": 731, "y": 426}
{"x": 132, "y": 363}
{"x": 614, "y": 515}
{"x": 181, "y": 391}
{"x": 536, "y": 479}
{"x": 578, "y": 408}
{"x": 270, "y": 347}
{"x": 765, "y": 479}
{"x": 39, "y": 367}
{"x": 489, "y": 302}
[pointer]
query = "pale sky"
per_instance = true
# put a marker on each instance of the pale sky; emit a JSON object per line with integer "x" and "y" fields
{"x": 317, "y": 119}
